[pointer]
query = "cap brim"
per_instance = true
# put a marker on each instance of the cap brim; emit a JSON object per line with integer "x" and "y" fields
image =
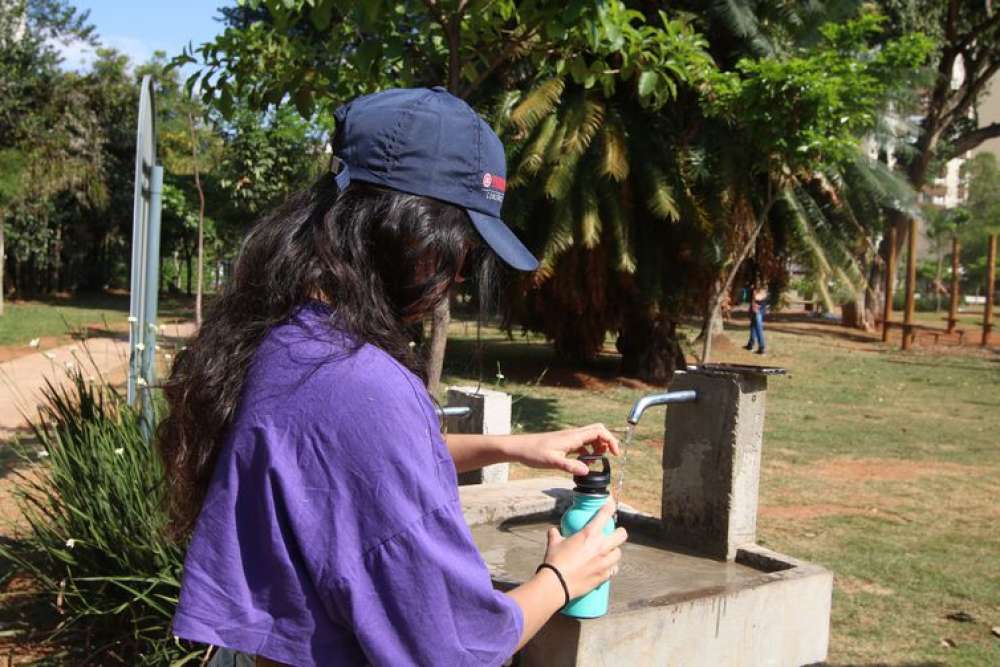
{"x": 502, "y": 240}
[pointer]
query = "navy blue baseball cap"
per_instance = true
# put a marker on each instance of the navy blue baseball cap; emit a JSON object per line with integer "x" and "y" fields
{"x": 426, "y": 141}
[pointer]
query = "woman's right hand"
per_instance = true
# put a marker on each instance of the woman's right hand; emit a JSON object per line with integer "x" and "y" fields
{"x": 588, "y": 558}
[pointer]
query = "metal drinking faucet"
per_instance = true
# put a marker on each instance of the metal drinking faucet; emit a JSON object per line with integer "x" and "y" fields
{"x": 684, "y": 396}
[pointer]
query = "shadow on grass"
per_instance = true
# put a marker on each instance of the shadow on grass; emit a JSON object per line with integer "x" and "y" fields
{"x": 957, "y": 367}
{"x": 172, "y": 306}
{"x": 846, "y": 334}
{"x": 534, "y": 414}
{"x": 530, "y": 362}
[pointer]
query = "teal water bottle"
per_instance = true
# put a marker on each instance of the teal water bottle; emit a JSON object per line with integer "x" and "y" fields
{"x": 590, "y": 494}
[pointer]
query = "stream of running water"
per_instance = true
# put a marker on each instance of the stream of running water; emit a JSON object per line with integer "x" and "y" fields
{"x": 621, "y": 465}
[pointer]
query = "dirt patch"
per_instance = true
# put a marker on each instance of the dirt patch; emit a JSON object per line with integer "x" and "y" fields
{"x": 8, "y": 352}
{"x": 577, "y": 379}
{"x": 853, "y": 586}
{"x": 884, "y": 469}
{"x": 10, "y": 515}
{"x": 803, "y": 512}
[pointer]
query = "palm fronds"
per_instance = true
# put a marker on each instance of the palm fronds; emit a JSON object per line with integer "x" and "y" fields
{"x": 538, "y": 103}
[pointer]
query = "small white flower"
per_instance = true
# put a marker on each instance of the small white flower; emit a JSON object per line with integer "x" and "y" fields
{"x": 168, "y": 356}
{"x": 34, "y": 342}
{"x": 43, "y": 454}
{"x": 120, "y": 451}
{"x": 141, "y": 381}
{"x": 500, "y": 376}
{"x": 413, "y": 344}
{"x": 133, "y": 319}
{"x": 70, "y": 543}
{"x": 50, "y": 355}
{"x": 140, "y": 347}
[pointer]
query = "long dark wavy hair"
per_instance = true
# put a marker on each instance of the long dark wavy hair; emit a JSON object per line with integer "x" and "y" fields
{"x": 382, "y": 259}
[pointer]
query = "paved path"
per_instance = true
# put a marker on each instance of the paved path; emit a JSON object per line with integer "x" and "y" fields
{"x": 22, "y": 379}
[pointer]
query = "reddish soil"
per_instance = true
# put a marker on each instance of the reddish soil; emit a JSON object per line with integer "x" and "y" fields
{"x": 8, "y": 352}
{"x": 10, "y": 516}
{"x": 803, "y": 512}
{"x": 884, "y": 469}
{"x": 591, "y": 381}
{"x": 853, "y": 586}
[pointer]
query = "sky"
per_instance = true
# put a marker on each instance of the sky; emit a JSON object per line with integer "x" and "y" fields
{"x": 140, "y": 27}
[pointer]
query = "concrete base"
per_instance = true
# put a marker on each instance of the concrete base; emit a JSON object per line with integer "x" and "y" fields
{"x": 489, "y": 413}
{"x": 668, "y": 605}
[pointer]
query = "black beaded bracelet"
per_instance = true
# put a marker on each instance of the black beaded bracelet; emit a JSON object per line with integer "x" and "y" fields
{"x": 559, "y": 576}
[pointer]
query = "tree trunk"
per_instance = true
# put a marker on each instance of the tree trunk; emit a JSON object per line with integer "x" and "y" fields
{"x": 190, "y": 272}
{"x": 201, "y": 226}
{"x": 57, "y": 259}
{"x": 937, "y": 281}
{"x": 439, "y": 341}
{"x": 177, "y": 271}
{"x": 716, "y": 302}
{"x": 442, "y": 313}
{"x": 3, "y": 264}
{"x": 649, "y": 346}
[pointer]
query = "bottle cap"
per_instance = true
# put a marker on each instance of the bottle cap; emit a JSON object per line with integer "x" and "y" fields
{"x": 596, "y": 481}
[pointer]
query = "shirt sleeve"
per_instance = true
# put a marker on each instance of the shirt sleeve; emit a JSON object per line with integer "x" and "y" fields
{"x": 402, "y": 570}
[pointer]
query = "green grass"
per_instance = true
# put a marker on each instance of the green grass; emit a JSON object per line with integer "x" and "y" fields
{"x": 880, "y": 465}
{"x": 25, "y": 320}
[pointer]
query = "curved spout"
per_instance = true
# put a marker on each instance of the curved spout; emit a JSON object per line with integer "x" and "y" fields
{"x": 453, "y": 411}
{"x": 683, "y": 396}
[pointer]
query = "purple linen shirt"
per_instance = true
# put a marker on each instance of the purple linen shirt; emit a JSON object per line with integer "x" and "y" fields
{"x": 332, "y": 532}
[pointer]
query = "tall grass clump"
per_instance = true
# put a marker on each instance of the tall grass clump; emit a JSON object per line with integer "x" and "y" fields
{"x": 92, "y": 552}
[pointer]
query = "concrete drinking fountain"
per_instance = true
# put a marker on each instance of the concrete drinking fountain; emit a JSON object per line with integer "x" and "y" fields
{"x": 694, "y": 587}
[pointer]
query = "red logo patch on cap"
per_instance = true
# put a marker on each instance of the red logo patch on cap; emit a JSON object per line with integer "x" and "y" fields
{"x": 495, "y": 182}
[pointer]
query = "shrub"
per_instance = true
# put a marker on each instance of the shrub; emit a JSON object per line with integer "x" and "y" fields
{"x": 93, "y": 549}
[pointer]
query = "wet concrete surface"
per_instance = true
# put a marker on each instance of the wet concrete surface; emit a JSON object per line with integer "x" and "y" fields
{"x": 650, "y": 575}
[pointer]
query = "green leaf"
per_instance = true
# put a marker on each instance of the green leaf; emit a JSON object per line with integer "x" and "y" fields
{"x": 321, "y": 14}
{"x": 647, "y": 83}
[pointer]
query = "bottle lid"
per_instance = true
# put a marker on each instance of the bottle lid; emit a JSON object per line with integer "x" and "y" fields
{"x": 596, "y": 481}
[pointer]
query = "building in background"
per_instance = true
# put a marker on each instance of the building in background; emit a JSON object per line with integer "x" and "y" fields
{"x": 988, "y": 111}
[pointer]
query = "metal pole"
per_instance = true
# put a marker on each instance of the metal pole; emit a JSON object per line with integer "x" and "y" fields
{"x": 137, "y": 293}
{"x": 991, "y": 278}
{"x": 953, "y": 306}
{"x": 890, "y": 283}
{"x": 911, "y": 282}
{"x": 151, "y": 301}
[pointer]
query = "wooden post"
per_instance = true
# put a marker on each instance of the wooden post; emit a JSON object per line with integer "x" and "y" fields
{"x": 911, "y": 283}
{"x": 890, "y": 282}
{"x": 953, "y": 306}
{"x": 991, "y": 278}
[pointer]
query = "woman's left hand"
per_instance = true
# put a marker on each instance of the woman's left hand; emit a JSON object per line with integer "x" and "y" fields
{"x": 552, "y": 450}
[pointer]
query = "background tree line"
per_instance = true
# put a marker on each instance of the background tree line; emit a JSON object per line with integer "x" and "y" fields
{"x": 659, "y": 160}
{"x": 67, "y": 155}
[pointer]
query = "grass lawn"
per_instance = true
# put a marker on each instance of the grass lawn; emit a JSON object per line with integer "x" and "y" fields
{"x": 57, "y": 317}
{"x": 880, "y": 465}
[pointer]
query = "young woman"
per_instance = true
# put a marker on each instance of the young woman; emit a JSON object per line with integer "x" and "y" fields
{"x": 303, "y": 454}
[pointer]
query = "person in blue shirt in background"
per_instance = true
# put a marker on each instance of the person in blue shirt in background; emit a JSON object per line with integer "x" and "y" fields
{"x": 758, "y": 308}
